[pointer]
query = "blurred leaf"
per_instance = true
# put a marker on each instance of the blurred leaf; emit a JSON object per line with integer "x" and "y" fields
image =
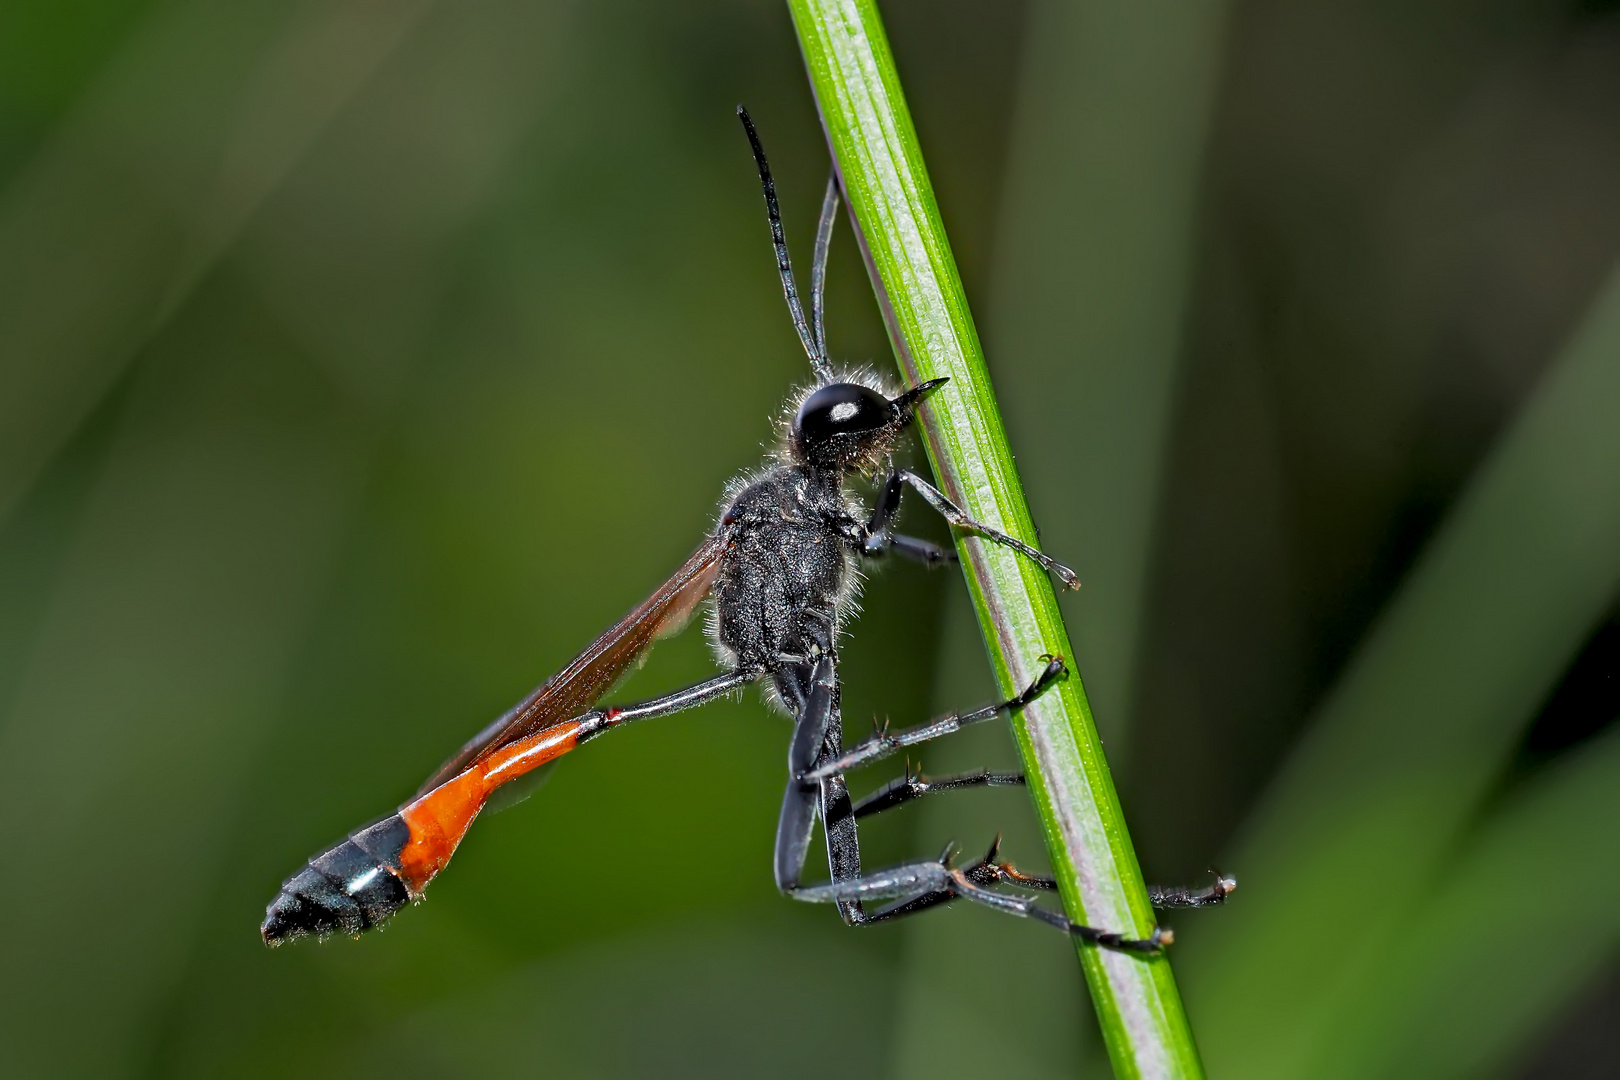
{"x": 207, "y": 542}
{"x": 703, "y": 1001}
{"x": 50, "y": 48}
{"x": 1085, "y": 327}
{"x": 1517, "y": 922}
{"x": 198, "y": 556}
{"x": 1355, "y": 830}
{"x": 132, "y": 200}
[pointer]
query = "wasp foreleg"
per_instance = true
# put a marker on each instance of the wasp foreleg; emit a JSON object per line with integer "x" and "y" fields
{"x": 874, "y": 538}
{"x": 890, "y": 500}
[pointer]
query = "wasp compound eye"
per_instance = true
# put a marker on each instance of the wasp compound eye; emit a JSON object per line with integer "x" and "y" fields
{"x": 835, "y": 412}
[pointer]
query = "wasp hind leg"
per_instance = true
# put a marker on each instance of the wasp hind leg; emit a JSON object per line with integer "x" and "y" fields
{"x": 916, "y": 887}
{"x": 817, "y": 736}
{"x": 912, "y": 786}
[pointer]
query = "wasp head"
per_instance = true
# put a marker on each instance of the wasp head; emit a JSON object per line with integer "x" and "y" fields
{"x": 848, "y": 427}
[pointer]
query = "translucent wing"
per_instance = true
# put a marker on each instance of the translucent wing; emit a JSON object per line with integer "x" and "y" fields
{"x": 593, "y": 672}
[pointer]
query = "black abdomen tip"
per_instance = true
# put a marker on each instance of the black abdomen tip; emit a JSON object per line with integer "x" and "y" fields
{"x": 346, "y": 889}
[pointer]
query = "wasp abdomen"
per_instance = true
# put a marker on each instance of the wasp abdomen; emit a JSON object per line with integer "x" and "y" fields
{"x": 346, "y": 889}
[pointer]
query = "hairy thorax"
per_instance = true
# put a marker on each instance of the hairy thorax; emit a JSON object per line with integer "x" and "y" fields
{"x": 787, "y": 570}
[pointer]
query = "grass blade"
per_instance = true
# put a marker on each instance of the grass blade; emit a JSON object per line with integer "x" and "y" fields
{"x": 1420, "y": 725}
{"x": 1090, "y": 276}
{"x": 875, "y": 147}
{"x": 109, "y": 230}
{"x": 1507, "y": 935}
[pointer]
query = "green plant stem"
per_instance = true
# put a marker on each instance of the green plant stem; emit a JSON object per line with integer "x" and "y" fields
{"x": 875, "y": 148}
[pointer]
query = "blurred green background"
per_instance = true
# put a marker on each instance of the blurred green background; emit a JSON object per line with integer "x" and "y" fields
{"x": 361, "y": 359}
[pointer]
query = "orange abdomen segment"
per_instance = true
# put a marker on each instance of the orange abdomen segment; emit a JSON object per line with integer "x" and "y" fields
{"x": 440, "y": 818}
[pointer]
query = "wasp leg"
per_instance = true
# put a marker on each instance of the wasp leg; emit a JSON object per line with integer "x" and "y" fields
{"x": 793, "y": 828}
{"x": 800, "y": 805}
{"x": 918, "y": 886}
{"x": 816, "y": 737}
{"x": 1179, "y": 896}
{"x": 914, "y": 887}
{"x": 889, "y": 503}
{"x": 884, "y": 742}
{"x": 600, "y": 721}
{"x": 916, "y": 550}
{"x": 1161, "y": 896}
{"x": 800, "y": 802}
{"x": 843, "y": 844}
{"x": 876, "y": 539}
{"x": 903, "y": 789}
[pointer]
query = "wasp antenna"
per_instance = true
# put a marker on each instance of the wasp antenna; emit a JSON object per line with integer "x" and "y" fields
{"x": 784, "y": 265}
{"x": 818, "y": 263}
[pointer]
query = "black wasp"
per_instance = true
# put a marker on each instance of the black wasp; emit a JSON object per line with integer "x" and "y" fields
{"x": 780, "y": 565}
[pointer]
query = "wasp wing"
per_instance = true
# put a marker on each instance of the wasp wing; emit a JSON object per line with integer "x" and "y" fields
{"x": 593, "y": 672}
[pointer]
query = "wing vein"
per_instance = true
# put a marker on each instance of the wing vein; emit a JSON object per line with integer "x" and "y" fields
{"x": 591, "y": 674}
